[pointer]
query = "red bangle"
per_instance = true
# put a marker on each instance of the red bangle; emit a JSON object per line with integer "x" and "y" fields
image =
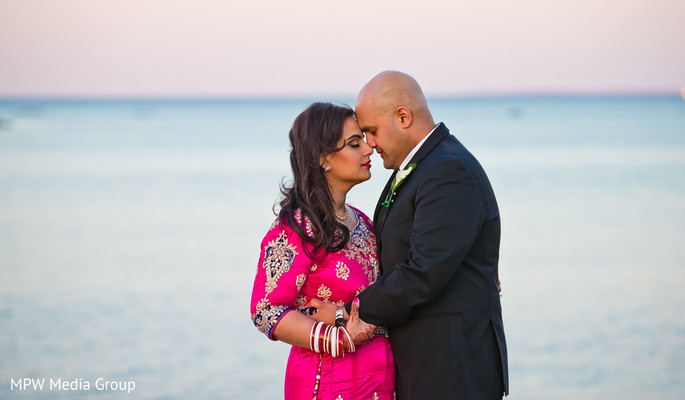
{"x": 341, "y": 344}
{"x": 331, "y": 333}
{"x": 323, "y": 337}
{"x": 311, "y": 337}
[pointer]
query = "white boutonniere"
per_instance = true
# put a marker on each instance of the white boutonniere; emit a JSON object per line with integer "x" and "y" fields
{"x": 400, "y": 176}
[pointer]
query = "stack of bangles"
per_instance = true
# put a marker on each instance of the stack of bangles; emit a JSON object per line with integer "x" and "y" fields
{"x": 329, "y": 339}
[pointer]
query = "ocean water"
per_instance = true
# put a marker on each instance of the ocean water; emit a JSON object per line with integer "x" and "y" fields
{"x": 130, "y": 231}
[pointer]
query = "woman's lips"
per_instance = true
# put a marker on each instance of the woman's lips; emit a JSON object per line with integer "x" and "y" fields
{"x": 367, "y": 165}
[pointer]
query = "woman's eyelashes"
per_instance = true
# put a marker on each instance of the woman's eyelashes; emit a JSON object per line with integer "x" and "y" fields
{"x": 353, "y": 142}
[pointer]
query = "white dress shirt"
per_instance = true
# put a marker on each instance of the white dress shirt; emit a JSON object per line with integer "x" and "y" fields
{"x": 416, "y": 148}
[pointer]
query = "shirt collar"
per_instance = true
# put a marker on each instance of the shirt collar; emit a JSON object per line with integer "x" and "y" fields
{"x": 415, "y": 149}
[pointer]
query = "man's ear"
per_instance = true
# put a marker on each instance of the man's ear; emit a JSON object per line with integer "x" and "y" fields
{"x": 403, "y": 117}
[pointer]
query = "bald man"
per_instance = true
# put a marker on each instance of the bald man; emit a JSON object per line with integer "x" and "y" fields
{"x": 438, "y": 234}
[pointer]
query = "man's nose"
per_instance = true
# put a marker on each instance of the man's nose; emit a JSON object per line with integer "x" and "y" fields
{"x": 370, "y": 141}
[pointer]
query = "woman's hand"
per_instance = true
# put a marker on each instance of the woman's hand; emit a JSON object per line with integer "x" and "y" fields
{"x": 325, "y": 312}
{"x": 360, "y": 331}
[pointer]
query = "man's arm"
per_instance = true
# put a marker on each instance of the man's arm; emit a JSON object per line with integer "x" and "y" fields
{"x": 449, "y": 214}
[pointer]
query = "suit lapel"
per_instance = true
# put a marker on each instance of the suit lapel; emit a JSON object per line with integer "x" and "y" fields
{"x": 384, "y": 193}
{"x": 381, "y": 212}
{"x": 436, "y": 137}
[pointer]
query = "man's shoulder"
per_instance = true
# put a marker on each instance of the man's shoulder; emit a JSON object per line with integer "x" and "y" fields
{"x": 448, "y": 153}
{"x": 450, "y": 160}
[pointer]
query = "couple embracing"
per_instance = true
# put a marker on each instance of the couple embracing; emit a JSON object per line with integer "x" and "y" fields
{"x": 406, "y": 306}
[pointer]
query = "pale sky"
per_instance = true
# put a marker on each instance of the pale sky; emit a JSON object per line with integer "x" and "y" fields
{"x": 225, "y": 48}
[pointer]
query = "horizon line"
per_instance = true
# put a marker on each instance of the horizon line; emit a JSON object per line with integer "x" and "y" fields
{"x": 281, "y": 97}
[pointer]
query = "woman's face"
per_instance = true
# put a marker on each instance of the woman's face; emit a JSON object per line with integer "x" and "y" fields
{"x": 352, "y": 164}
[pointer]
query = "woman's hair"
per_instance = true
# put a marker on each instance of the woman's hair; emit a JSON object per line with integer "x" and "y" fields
{"x": 315, "y": 132}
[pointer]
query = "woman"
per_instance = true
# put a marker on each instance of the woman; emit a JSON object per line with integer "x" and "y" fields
{"x": 321, "y": 248}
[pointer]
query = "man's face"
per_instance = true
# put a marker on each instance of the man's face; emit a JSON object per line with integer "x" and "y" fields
{"x": 382, "y": 133}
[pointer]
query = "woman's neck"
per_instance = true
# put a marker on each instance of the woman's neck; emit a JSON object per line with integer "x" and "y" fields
{"x": 339, "y": 201}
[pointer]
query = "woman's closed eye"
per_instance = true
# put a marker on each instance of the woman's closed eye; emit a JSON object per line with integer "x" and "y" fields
{"x": 354, "y": 141}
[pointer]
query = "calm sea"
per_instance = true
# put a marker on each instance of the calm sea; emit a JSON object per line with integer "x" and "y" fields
{"x": 130, "y": 231}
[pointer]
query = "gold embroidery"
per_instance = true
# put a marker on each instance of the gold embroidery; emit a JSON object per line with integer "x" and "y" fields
{"x": 278, "y": 258}
{"x": 362, "y": 248}
{"x": 324, "y": 292}
{"x": 300, "y": 281}
{"x": 266, "y": 316}
{"x": 301, "y": 301}
{"x": 342, "y": 271}
{"x": 308, "y": 227}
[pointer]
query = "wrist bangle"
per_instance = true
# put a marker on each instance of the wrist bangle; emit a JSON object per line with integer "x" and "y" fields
{"x": 311, "y": 337}
{"x": 341, "y": 343}
{"x": 349, "y": 340}
{"x": 317, "y": 333}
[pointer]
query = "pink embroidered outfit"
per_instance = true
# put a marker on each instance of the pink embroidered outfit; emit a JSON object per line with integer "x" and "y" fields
{"x": 287, "y": 279}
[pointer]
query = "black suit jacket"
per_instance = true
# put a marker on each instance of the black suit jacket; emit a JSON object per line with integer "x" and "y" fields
{"x": 438, "y": 246}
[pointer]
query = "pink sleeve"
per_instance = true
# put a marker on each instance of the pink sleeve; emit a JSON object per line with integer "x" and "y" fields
{"x": 282, "y": 270}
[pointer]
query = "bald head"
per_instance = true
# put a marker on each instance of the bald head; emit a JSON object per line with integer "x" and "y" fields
{"x": 391, "y": 89}
{"x": 391, "y": 109}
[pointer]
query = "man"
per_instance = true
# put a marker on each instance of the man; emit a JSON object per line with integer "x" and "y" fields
{"x": 437, "y": 230}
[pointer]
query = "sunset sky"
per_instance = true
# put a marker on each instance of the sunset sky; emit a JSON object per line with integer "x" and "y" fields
{"x": 225, "y": 48}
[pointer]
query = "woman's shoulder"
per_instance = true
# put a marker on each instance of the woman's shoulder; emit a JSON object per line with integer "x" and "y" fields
{"x": 363, "y": 216}
{"x": 281, "y": 226}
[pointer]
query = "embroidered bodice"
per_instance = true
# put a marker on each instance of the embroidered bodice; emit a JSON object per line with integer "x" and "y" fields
{"x": 287, "y": 279}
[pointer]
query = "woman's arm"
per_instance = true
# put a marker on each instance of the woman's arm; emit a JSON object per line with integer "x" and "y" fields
{"x": 294, "y": 328}
{"x": 283, "y": 267}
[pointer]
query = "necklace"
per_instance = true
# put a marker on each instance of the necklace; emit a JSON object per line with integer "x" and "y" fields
{"x": 342, "y": 219}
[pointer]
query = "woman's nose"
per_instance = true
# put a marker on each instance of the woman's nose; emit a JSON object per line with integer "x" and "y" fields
{"x": 368, "y": 150}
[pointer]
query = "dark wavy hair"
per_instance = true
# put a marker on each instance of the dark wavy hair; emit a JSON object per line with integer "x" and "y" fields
{"x": 316, "y": 131}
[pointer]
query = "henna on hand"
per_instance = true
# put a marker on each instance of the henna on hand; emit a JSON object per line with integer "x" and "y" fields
{"x": 362, "y": 338}
{"x": 360, "y": 331}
